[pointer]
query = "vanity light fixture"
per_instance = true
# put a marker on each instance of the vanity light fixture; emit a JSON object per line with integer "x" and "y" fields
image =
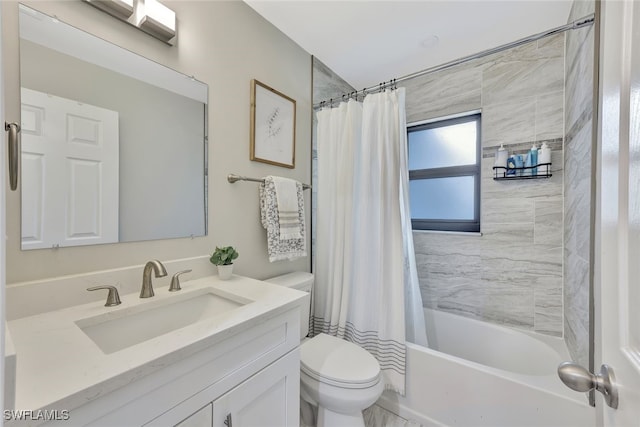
{"x": 122, "y": 9}
{"x": 150, "y": 16}
{"x": 158, "y": 20}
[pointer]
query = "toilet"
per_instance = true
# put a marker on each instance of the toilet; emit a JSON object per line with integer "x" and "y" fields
{"x": 338, "y": 377}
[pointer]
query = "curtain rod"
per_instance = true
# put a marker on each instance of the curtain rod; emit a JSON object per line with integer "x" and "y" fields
{"x": 578, "y": 23}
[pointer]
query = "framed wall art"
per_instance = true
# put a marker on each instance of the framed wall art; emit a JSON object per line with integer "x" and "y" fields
{"x": 273, "y": 126}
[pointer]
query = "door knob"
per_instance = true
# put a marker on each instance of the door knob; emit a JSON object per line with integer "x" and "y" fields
{"x": 578, "y": 378}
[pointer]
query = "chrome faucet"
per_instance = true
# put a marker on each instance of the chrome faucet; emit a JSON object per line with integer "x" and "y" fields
{"x": 147, "y": 287}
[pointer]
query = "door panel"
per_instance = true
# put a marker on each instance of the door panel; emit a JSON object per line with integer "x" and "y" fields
{"x": 70, "y": 196}
{"x": 83, "y": 210}
{"x": 33, "y": 197}
{"x": 617, "y": 269}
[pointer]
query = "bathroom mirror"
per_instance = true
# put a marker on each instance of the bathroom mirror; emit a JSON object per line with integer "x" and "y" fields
{"x": 114, "y": 145}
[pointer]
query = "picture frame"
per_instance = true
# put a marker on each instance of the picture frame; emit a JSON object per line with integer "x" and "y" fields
{"x": 273, "y": 126}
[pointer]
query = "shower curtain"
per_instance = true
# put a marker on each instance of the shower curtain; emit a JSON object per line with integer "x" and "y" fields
{"x": 366, "y": 287}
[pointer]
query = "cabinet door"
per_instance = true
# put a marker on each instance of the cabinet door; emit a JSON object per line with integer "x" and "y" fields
{"x": 270, "y": 398}
{"x": 202, "y": 418}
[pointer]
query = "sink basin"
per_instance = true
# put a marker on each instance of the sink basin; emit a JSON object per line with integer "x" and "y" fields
{"x": 117, "y": 330}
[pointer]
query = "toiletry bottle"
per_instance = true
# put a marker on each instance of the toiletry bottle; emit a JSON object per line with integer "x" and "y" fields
{"x": 527, "y": 164}
{"x": 534, "y": 159}
{"x": 502, "y": 155}
{"x": 519, "y": 159}
{"x": 511, "y": 164}
{"x": 545, "y": 157}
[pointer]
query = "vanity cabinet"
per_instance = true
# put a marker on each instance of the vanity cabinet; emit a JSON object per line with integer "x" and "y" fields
{"x": 252, "y": 373}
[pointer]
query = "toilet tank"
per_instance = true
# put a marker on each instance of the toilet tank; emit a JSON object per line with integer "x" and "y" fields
{"x": 301, "y": 281}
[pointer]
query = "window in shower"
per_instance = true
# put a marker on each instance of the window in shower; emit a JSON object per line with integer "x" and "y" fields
{"x": 444, "y": 174}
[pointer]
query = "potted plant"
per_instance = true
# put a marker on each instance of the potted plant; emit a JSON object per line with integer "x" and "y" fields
{"x": 223, "y": 258}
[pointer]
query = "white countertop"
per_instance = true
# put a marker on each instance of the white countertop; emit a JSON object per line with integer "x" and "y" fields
{"x": 59, "y": 367}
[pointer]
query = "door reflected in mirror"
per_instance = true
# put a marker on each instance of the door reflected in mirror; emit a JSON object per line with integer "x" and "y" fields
{"x": 114, "y": 146}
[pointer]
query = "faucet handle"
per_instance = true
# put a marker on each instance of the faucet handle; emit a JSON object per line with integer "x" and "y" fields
{"x": 112, "y": 298}
{"x": 175, "y": 281}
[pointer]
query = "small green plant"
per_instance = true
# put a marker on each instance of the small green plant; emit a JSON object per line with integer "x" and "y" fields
{"x": 223, "y": 256}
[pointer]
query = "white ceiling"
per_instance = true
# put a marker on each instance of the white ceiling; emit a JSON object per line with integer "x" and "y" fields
{"x": 367, "y": 42}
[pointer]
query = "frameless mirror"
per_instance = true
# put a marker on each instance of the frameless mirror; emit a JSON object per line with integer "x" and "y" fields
{"x": 114, "y": 145}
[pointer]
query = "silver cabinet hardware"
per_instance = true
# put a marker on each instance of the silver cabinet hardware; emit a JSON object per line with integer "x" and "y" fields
{"x": 580, "y": 379}
{"x": 228, "y": 422}
{"x": 14, "y": 153}
{"x": 175, "y": 281}
{"x": 112, "y": 298}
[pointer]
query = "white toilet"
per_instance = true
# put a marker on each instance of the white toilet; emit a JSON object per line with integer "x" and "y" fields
{"x": 339, "y": 377}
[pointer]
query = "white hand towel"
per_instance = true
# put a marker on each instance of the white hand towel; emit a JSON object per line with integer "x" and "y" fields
{"x": 288, "y": 210}
{"x": 277, "y": 249}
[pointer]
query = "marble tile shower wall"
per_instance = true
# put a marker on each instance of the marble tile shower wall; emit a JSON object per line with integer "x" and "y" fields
{"x": 513, "y": 273}
{"x": 577, "y": 183}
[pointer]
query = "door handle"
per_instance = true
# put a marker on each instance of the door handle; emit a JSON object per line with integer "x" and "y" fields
{"x": 228, "y": 421}
{"x": 14, "y": 153}
{"x": 580, "y": 379}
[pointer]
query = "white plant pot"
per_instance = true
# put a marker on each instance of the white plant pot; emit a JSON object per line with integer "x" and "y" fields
{"x": 225, "y": 271}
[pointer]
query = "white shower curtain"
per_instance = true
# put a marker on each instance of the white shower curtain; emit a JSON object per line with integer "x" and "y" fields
{"x": 366, "y": 287}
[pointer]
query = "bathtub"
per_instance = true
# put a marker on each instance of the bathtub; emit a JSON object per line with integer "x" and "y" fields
{"x": 479, "y": 374}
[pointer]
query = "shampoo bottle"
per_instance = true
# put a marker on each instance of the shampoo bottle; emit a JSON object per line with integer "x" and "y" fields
{"x": 527, "y": 164}
{"x": 545, "y": 157}
{"x": 534, "y": 159}
{"x": 502, "y": 155}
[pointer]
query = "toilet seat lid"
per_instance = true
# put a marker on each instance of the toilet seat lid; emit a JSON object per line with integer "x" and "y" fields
{"x": 335, "y": 361}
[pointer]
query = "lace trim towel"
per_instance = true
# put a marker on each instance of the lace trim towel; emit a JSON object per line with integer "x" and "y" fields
{"x": 278, "y": 249}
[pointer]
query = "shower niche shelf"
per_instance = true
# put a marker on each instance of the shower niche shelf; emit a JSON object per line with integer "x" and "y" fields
{"x": 501, "y": 173}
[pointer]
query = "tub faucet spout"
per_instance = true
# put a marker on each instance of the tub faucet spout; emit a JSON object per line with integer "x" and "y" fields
{"x": 159, "y": 271}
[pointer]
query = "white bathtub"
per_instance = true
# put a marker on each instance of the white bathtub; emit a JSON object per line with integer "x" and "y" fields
{"x": 480, "y": 374}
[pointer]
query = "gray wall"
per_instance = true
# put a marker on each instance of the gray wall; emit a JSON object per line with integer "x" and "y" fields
{"x": 512, "y": 273}
{"x": 577, "y": 183}
{"x": 224, "y": 44}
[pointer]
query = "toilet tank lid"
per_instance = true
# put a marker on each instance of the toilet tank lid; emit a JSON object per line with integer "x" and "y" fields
{"x": 297, "y": 280}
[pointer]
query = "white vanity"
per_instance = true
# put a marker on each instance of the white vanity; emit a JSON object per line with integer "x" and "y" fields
{"x": 217, "y": 353}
